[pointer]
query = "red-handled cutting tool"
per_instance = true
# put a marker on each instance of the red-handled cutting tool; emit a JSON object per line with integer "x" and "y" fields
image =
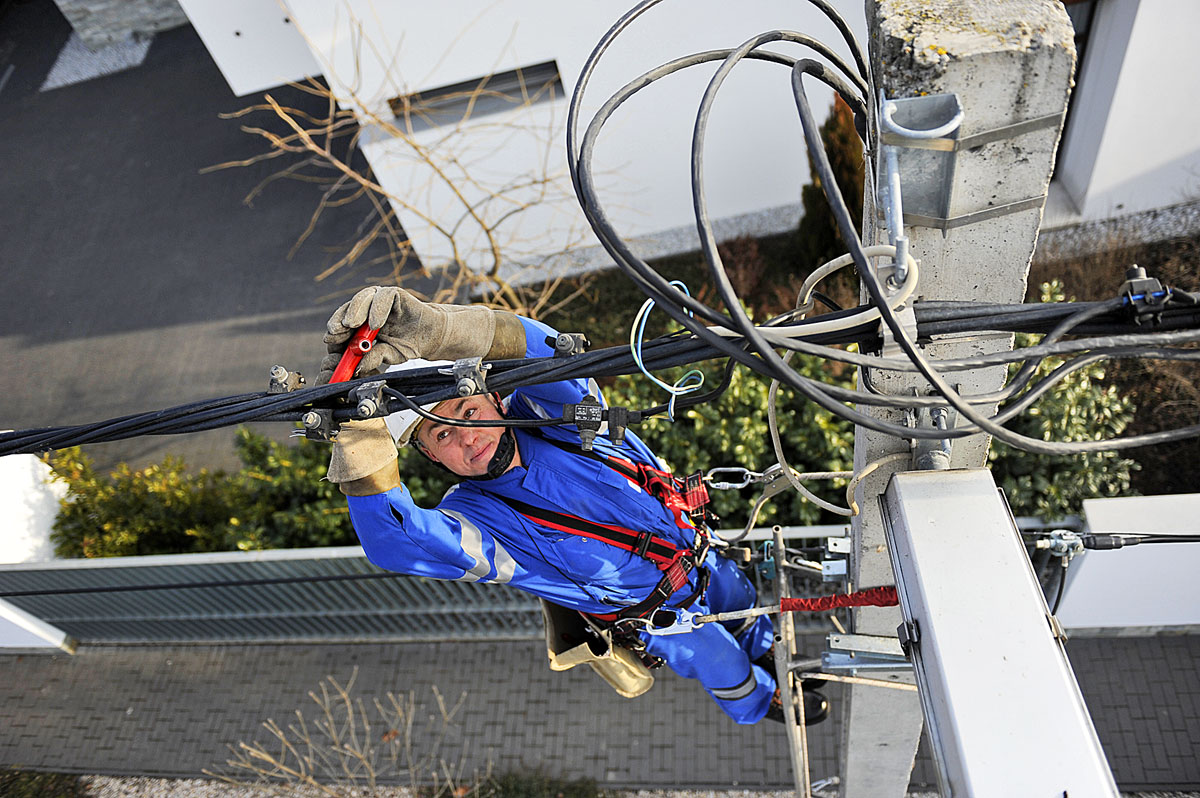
{"x": 358, "y": 345}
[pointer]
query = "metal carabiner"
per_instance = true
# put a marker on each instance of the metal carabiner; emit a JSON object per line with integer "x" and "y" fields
{"x": 747, "y": 476}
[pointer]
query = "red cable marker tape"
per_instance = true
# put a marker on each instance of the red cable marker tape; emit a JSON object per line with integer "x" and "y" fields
{"x": 871, "y": 597}
{"x": 358, "y": 345}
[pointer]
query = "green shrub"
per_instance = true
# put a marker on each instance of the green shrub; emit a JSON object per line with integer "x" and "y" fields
{"x": 160, "y": 509}
{"x": 277, "y": 500}
{"x": 284, "y": 500}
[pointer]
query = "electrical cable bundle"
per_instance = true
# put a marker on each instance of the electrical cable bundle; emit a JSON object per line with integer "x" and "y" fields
{"x": 1148, "y": 324}
{"x": 733, "y": 334}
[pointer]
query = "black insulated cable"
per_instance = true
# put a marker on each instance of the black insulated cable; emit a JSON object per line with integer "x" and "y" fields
{"x": 875, "y": 289}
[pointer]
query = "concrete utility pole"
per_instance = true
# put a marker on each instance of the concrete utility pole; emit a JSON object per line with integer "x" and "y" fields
{"x": 1010, "y": 64}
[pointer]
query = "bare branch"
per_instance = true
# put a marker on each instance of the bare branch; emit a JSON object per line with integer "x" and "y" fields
{"x": 458, "y": 197}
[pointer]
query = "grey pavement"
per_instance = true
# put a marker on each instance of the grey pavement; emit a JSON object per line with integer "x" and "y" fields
{"x": 132, "y": 281}
{"x": 173, "y": 710}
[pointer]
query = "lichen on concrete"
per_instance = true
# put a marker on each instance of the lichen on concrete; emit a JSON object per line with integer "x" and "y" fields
{"x": 925, "y": 36}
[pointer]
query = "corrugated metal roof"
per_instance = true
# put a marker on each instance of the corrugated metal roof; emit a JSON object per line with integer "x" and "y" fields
{"x": 384, "y": 607}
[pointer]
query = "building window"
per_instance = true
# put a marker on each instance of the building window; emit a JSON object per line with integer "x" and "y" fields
{"x": 446, "y": 106}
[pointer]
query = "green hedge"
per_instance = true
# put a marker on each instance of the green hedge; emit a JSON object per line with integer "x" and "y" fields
{"x": 278, "y": 499}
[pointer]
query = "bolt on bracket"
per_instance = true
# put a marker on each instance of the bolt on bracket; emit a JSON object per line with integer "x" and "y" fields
{"x": 284, "y": 381}
{"x": 469, "y": 375}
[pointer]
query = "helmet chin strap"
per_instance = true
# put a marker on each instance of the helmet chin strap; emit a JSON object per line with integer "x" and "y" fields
{"x": 502, "y": 458}
{"x": 506, "y": 450}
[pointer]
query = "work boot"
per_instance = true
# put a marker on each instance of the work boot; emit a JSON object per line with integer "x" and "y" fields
{"x": 816, "y": 707}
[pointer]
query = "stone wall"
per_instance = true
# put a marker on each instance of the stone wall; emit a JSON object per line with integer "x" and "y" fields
{"x": 100, "y": 23}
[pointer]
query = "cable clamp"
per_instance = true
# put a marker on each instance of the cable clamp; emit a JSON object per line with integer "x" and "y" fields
{"x": 1065, "y": 543}
{"x": 908, "y": 322}
{"x": 1146, "y": 296}
{"x": 619, "y": 418}
{"x": 284, "y": 381}
{"x": 568, "y": 344}
{"x": 319, "y": 426}
{"x": 368, "y": 399}
{"x": 588, "y": 417}
{"x": 468, "y": 373}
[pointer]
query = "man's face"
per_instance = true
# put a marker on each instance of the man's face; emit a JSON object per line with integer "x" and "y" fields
{"x": 464, "y": 450}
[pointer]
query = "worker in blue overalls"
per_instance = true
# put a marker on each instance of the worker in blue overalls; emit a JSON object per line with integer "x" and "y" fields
{"x": 590, "y": 531}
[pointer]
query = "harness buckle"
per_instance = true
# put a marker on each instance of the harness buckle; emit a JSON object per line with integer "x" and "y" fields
{"x": 693, "y": 491}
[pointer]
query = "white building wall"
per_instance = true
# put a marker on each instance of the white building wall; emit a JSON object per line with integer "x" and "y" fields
{"x": 756, "y": 162}
{"x": 28, "y": 505}
{"x": 1131, "y": 145}
{"x": 1129, "y": 148}
{"x": 254, "y": 42}
{"x": 1159, "y": 591}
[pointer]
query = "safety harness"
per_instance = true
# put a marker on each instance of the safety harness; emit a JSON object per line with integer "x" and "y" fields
{"x": 684, "y": 496}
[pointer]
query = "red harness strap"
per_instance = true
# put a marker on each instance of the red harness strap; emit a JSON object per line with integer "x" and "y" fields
{"x": 685, "y": 495}
{"x": 682, "y": 495}
{"x": 675, "y": 563}
{"x": 659, "y": 551}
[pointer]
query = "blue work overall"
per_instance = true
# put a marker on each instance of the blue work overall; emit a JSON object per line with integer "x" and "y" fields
{"x": 474, "y": 534}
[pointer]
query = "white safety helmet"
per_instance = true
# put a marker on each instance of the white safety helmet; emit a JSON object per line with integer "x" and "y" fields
{"x": 403, "y": 424}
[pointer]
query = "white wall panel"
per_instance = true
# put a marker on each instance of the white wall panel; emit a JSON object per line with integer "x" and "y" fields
{"x": 254, "y": 42}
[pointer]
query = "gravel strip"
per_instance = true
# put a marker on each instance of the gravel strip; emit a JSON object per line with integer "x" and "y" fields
{"x": 111, "y": 787}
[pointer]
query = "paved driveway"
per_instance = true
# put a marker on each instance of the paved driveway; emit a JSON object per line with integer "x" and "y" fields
{"x": 132, "y": 281}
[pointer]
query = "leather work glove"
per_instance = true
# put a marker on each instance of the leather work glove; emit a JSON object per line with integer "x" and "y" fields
{"x": 363, "y": 462}
{"x": 409, "y": 328}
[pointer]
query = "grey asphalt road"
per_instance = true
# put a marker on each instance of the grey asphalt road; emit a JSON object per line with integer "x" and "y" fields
{"x": 133, "y": 281}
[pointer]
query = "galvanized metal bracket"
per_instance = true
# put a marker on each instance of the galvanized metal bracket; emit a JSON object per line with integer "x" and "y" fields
{"x": 924, "y": 165}
{"x": 908, "y": 325}
{"x": 934, "y": 117}
{"x": 849, "y": 653}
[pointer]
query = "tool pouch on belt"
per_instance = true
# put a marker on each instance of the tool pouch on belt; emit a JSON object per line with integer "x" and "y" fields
{"x": 571, "y": 639}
